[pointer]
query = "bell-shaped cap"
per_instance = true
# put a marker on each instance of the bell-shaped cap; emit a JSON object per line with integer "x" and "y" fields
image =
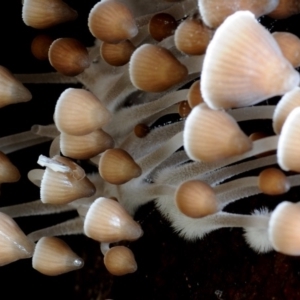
{"x": 119, "y": 260}
{"x": 116, "y": 166}
{"x": 244, "y": 65}
{"x": 111, "y": 21}
{"x": 211, "y": 135}
{"x": 79, "y": 112}
{"x": 284, "y": 224}
{"x": 68, "y": 56}
{"x": 44, "y": 14}
{"x": 107, "y": 221}
{"x": 12, "y": 90}
{"x": 14, "y": 244}
{"x": 155, "y": 69}
{"x": 52, "y": 256}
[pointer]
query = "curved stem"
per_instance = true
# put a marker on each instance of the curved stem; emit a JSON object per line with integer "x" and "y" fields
{"x": 34, "y": 208}
{"x": 46, "y": 78}
{"x": 74, "y": 226}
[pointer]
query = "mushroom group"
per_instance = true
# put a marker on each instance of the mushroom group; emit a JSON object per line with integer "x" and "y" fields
{"x": 110, "y": 151}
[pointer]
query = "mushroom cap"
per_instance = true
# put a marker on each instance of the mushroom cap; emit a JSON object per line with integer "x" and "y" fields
{"x": 284, "y": 225}
{"x": 244, "y": 65}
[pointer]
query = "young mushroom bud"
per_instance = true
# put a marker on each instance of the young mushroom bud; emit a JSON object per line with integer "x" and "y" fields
{"x": 68, "y": 56}
{"x": 40, "y": 46}
{"x": 107, "y": 221}
{"x": 192, "y": 37}
{"x": 117, "y": 54}
{"x": 116, "y": 166}
{"x": 111, "y": 21}
{"x": 161, "y": 26}
{"x": 196, "y": 199}
{"x": 120, "y": 261}
{"x": 155, "y": 69}
{"x": 52, "y": 257}
{"x": 273, "y": 181}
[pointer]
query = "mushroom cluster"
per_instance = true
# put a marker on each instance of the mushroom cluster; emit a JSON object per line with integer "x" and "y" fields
{"x": 109, "y": 151}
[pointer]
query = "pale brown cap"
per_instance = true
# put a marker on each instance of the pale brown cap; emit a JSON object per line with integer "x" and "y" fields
{"x": 155, "y": 69}
{"x": 44, "y": 14}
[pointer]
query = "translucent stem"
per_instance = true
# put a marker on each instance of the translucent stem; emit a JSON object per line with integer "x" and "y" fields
{"x": 46, "y": 131}
{"x": 152, "y": 160}
{"x": 252, "y": 113}
{"x": 74, "y": 226}
{"x": 46, "y": 78}
{"x": 138, "y": 113}
{"x": 193, "y": 63}
{"x": 34, "y": 208}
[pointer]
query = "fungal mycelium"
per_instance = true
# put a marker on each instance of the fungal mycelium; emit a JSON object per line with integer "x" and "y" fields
{"x": 162, "y": 109}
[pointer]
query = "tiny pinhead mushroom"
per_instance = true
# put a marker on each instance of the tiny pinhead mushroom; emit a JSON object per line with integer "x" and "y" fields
{"x": 284, "y": 227}
{"x": 116, "y": 166}
{"x": 52, "y": 257}
{"x": 12, "y": 90}
{"x": 205, "y": 128}
{"x": 161, "y": 26}
{"x": 273, "y": 181}
{"x": 14, "y": 244}
{"x": 111, "y": 21}
{"x": 288, "y": 155}
{"x": 286, "y": 104}
{"x": 155, "y": 69}
{"x": 79, "y": 112}
{"x": 119, "y": 260}
{"x": 184, "y": 109}
{"x": 85, "y": 146}
{"x": 68, "y": 56}
{"x": 8, "y": 172}
{"x": 141, "y": 130}
{"x": 117, "y": 54}
{"x": 107, "y": 221}
{"x": 236, "y": 72}
{"x": 196, "y": 199}
{"x": 192, "y": 37}
{"x": 40, "y": 46}
{"x": 47, "y": 13}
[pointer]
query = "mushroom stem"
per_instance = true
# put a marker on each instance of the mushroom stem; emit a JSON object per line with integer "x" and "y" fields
{"x": 45, "y": 131}
{"x": 73, "y": 226}
{"x": 152, "y": 160}
{"x": 21, "y": 140}
{"x": 46, "y": 78}
{"x": 34, "y": 208}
